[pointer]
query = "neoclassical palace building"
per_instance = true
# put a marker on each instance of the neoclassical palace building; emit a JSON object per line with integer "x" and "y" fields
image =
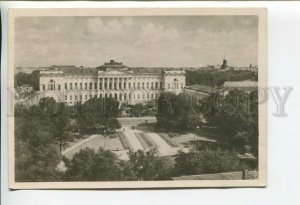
{"x": 72, "y": 84}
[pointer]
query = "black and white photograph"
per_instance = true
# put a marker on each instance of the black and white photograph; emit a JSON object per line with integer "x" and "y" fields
{"x": 137, "y": 98}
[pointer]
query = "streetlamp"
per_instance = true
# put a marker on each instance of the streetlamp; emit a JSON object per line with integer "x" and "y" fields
{"x": 104, "y": 138}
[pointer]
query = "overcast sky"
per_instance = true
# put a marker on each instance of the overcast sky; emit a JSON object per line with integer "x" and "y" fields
{"x": 136, "y": 41}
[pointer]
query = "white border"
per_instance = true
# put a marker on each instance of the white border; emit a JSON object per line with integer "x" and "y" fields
{"x": 283, "y": 142}
{"x": 262, "y": 81}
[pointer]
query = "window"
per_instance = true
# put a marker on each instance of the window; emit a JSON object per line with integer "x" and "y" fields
{"x": 95, "y": 86}
{"x": 161, "y": 85}
{"x": 147, "y": 85}
{"x": 58, "y": 87}
{"x": 115, "y": 86}
{"x": 70, "y": 86}
{"x": 91, "y": 96}
{"x": 129, "y": 85}
{"x": 138, "y": 97}
{"x": 66, "y": 86}
{"x": 100, "y": 86}
{"x": 138, "y": 85}
{"x": 147, "y": 96}
{"x": 85, "y": 97}
{"x": 80, "y": 85}
{"x": 143, "y": 96}
{"x": 151, "y": 85}
{"x": 168, "y": 85}
{"x": 75, "y": 97}
{"x": 66, "y": 97}
{"x": 43, "y": 87}
{"x": 143, "y": 84}
{"x": 91, "y": 86}
{"x": 120, "y": 85}
{"x": 156, "y": 85}
{"x": 70, "y": 97}
{"x": 105, "y": 85}
{"x": 151, "y": 96}
{"x": 110, "y": 86}
{"x": 133, "y": 85}
{"x": 80, "y": 97}
{"x": 75, "y": 85}
{"x": 124, "y": 85}
{"x": 85, "y": 86}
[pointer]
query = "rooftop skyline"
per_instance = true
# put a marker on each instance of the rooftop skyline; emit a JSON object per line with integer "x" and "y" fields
{"x": 156, "y": 41}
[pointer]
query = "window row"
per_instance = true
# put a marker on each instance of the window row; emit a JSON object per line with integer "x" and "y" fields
{"x": 113, "y": 86}
{"x": 175, "y": 85}
{"x": 116, "y": 96}
{"x": 51, "y": 87}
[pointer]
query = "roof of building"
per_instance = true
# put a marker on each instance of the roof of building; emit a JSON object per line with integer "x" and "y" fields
{"x": 219, "y": 176}
{"x": 112, "y": 64}
{"x": 202, "y": 88}
{"x": 143, "y": 70}
{"x": 240, "y": 84}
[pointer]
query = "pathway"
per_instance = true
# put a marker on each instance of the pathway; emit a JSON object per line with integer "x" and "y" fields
{"x": 164, "y": 148}
{"x": 134, "y": 142}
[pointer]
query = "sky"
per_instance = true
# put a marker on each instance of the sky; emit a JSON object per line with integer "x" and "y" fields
{"x": 143, "y": 41}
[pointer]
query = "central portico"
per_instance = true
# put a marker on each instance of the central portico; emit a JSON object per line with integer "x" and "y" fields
{"x": 112, "y": 79}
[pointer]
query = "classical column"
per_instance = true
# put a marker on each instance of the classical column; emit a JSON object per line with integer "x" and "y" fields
{"x": 113, "y": 83}
{"x": 99, "y": 82}
{"x": 121, "y": 81}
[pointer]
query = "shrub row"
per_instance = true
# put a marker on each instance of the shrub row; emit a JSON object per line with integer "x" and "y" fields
{"x": 124, "y": 141}
{"x": 143, "y": 143}
{"x": 147, "y": 140}
{"x": 169, "y": 140}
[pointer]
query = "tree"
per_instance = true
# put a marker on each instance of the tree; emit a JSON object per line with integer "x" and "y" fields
{"x": 175, "y": 113}
{"x": 206, "y": 161}
{"x": 88, "y": 165}
{"x": 49, "y": 106}
{"x": 40, "y": 132}
{"x": 31, "y": 79}
{"x": 137, "y": 110}
{"x": 37, "y": 153}
{"x": 236, "y": 117}
{"x": 217, "y": 78}
{"x": 98, "y": 113}
{"x": 148, "y": 166}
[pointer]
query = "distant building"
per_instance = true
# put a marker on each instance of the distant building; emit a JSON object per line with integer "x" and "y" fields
{"x": 242, "y": 175}
{"x": 71, "y": 84}
{"x": 198, "y": 91}
{"x": 241, "y": 84}
{"x": 224, "y": 66}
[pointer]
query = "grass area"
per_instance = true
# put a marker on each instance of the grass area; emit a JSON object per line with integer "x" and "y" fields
{"x": 146, "y": 140}
{"x": 168, "y": 140}
{"x": 124, "y": 140}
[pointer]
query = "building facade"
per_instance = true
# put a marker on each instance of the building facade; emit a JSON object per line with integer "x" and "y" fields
{"x": 71, "y": 84}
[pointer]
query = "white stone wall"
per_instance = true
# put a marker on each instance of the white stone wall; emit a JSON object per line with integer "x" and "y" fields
{"x": 174, "y": 81}
{"x": 126, "y": 87}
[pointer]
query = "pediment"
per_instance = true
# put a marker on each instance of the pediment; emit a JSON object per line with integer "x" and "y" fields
{"x": 113, "y": 72}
